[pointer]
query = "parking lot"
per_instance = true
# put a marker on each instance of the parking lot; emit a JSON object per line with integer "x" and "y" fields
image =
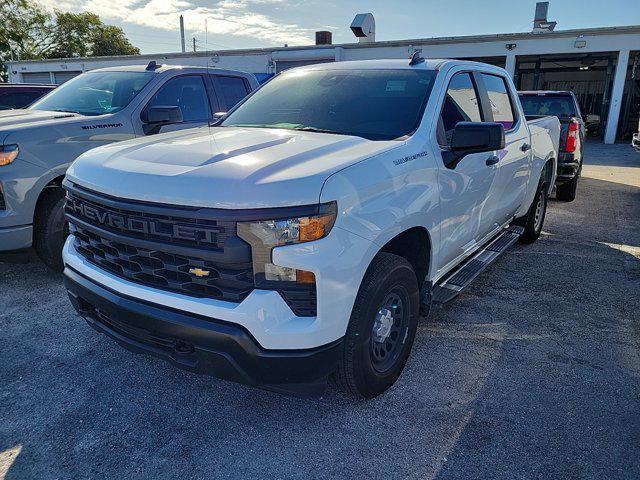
{"x": 534, "y": 372}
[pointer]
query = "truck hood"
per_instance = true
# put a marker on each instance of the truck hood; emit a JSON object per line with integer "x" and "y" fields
{"x": 10, "y": 119}
{"x": 15, "y": 120}
{"x": 223, "y": 167}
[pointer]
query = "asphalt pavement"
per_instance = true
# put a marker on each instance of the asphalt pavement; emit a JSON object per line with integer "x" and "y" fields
{"x": 533, "y": 372}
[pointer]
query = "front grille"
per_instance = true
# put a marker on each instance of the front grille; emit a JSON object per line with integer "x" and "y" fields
{"x": 3, "y": 205}
{"x": 177, "y": 228}
{"x": 188, "y": 251}
{"x": 195, "y": 252}
{"x": 163, "y": 270}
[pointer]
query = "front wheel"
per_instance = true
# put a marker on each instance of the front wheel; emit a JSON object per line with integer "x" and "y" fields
{"x": 381, "y": 329}
{"x": 534, "y": 219}
{"x": 50, "y": 229}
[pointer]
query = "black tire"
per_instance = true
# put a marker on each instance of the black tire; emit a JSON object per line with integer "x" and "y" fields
{"x": 50, "y": 229}
{"x": 365, "y": 371}
{"x": 567, "y": 191}
{"x": 534, "y": 219}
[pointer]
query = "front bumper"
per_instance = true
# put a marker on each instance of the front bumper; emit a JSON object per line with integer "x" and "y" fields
{"x": 199, "y": 344}
{"x": 338, "y": 262}
{"x": 15, "y": 238}
{"x": 20, "y": 186}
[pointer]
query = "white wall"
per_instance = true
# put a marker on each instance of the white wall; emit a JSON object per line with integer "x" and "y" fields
{"x": 262, "y": 61}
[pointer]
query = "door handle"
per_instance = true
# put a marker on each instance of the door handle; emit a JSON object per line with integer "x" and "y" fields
{"x": 492, "y": 160}
{"x": 525, "y": 147}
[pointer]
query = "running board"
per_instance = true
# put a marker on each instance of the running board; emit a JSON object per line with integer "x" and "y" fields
{"x": 450, "y": 286}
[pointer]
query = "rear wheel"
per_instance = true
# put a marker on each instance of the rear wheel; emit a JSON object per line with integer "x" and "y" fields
{"x": 381, "y": 329}
{"x": 534, "y": 219}
{"x": 50, "y": 228}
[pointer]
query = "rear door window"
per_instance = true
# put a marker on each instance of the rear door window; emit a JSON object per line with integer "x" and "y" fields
{"x": 500, "y": 100}
{"x": 460, "y": 105}
{"x": 231, "y": 90}
{"x": 187, "y": 92}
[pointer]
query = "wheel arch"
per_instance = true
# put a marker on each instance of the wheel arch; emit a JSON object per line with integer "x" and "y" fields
{"x": 413, "y": 244}
{"x": 548, "y": 173}
{"x": 54, "y": 183}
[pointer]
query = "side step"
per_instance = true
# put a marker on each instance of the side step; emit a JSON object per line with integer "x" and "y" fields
{"x": 451, "y": 285}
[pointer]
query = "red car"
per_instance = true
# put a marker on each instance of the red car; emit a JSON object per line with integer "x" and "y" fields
{"x": 21, "y": 95}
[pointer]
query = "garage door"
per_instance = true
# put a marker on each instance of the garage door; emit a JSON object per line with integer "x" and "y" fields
{"x": 61, "y": 77}
{"x": 282, "y": 65}
{"x": 37, "y": 77}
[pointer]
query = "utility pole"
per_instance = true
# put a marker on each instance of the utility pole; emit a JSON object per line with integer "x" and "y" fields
{"x": 194, "y": 44}
{"x": 182, "y": 34}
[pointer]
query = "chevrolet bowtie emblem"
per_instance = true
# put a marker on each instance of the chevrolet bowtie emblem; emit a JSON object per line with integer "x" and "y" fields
{"x": 198, "y": 272}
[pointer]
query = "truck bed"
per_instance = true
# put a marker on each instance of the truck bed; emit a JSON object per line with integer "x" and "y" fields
{"x": 545, "y": 129}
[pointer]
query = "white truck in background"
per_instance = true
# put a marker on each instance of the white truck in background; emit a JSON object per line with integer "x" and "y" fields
{"x": 99, "y": 107}
{"x": 304, "y": 234}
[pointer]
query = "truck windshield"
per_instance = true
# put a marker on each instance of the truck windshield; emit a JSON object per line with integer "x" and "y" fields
{"x": 95, "y": 93}
{"x": 373, "y": 104}
{"x": 556, "y": 105}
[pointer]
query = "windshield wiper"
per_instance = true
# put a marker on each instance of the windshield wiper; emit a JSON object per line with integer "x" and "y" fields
{"x": 64, "y": 111}
{"x": 318, "y": 130}
{"x": 289, "y": 126}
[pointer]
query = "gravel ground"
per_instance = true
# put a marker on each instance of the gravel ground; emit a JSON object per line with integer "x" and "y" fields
{"x": 534, "y": 372}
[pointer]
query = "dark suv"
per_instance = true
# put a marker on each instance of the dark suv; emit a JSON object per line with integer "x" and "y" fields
{"x": 563, "y": 105}
{"x": 21, "y": 95}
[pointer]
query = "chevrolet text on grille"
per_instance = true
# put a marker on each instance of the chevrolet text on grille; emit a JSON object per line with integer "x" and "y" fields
{"x": 141, "y": 225}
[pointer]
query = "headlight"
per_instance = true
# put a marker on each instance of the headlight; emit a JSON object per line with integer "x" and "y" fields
{"x": 8, "y": 153}
{"x": 264, "y": 235}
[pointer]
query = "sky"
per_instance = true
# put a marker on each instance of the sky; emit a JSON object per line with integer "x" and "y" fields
{"x": 153, "y": 25}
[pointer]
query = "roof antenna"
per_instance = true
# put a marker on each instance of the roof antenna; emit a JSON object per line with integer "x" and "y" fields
{"x": 416, "y": 58}
{"x": 152, "y": 66}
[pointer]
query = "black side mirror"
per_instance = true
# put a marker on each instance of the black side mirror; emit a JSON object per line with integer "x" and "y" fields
{"x": 473, "y": 137}
{"x": 156, "y": 117}
{"x": 162, "y": 115}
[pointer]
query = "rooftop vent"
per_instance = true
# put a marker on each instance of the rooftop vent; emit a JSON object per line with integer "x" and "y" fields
{"x": 364, "y": 27}
{"x": 540, "y": 22}
{"x": 323, "y": 38}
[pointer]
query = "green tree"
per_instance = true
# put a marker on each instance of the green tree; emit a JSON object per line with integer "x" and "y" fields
{"x": 110, "y": 40}
{"x": 25, "y": 30}
{"x": 29, "y": 32}
{"x": 73, "y": 34}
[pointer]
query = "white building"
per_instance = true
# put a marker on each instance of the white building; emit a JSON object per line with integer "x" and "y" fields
{"x": 599, "y": 64}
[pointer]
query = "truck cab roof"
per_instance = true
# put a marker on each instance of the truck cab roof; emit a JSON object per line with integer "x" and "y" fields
{"x": 159, "y": 68}
{"x": 395, "y": 64}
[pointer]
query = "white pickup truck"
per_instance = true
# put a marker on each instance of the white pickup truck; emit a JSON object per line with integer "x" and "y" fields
{"x": 303, "y": 235}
